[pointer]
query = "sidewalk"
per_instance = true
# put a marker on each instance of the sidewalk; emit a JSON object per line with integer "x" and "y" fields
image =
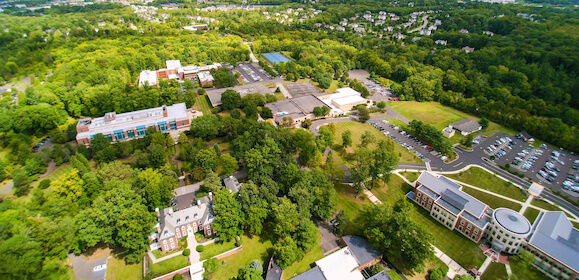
{"x": 194, "y": 257}
{"x": 454, "y": 268}
{"x": 155, "y": 260}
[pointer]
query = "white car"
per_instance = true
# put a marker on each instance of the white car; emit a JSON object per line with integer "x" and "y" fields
{"x": 99, "y": 267}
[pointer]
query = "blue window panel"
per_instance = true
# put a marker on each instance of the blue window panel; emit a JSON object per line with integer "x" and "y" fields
{"x": 140, "y": 127}
{"x": 162, "y": 126}
{"x": 108, "y": 136}
{"x": 119, "y": 134}
{"x": 173, "y": 125}
{"x": 141, "y": 132}
{"x": 130, "y": 134}
{"x": 91, "y": 137}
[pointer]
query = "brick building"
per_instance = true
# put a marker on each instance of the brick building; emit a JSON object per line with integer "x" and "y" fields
{"x": 174, "y": 71}
{"x": 131, "y": 125}
{"x": 173, "y": 225}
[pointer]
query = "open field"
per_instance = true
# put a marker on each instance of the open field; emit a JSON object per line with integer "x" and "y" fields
{"x": 524, "y": 272}
{"x": 169, "y": 265}
{"x": 394, "y": 275}
{"x": 411, "y": 176}
{"x": 495, "y": 271}
{"x": 491, "y": 200}
{"x": 333, "y": 87}
{"x": 531, "y": 214}
{"x": 480, "y": 178}
{"x": 352, "y": 204}
{"x": 358, "y": 129}
{"x": 392, "y": 191}
{"x": 118, "y": 269}
{"x": 440, "y": 116}
{"x": 202, "y": 104}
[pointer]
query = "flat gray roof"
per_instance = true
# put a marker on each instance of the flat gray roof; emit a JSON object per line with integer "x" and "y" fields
{"x": 555, "y": 235}
{"x": 312, "y": 274}
{"x": 466, "y": 125}
{"x": 215, "y": 94}
{"x": 512, "y": 221}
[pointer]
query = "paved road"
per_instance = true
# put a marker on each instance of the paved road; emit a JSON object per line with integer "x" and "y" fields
{"x": 465, "y": 158}
{"x": 424, "y": 23}
{"x": 330, "y": 243}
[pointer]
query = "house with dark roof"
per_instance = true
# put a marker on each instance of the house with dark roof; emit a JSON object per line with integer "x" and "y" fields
{"x": 274, "y": 271}
{"x": 450, "y": 206}
{"x": 232, "y": 184}
{"x": 555, "y": 245}
{"x": 173, "y": 225}
{"x": 526, "y": 137}
{"x": 466, "y": 126}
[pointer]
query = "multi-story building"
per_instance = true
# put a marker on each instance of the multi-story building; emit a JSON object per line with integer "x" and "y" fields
{"x": 508, "y": 230}
{"x": 555, "y": 246}
{"x": 173, "y": 119}
{"x": 174, "y": 71}
{"x": 173, "y": 225}
{"x": 450, "y": 206}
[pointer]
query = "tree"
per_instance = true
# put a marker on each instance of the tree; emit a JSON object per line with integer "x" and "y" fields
{"x": 367, "y": 138}
{"x": 21, "y": 258}
{"x": 336, "y": 173}
{"x": 381, "y": 105}
{"x": 155, "y": 188}
{"x": 306, "y": 235}
{"x": 463, "y": 277}
{"x": 115, "y": 170}
{"x": 207, "y": 158}
{"x": 467, "y": 142}
{"x": 228, "y": 216}
{"x": 231, "y": 99}
{"x": 206, "y": 126}
{"x": 287, "y": 252}
{"x": 250, "y": 111}
{"x": 80, "y": 163}
{"x": 21, "y": 182}
{"x": 285, "y": 217}
{"x": 347, "y": 139}
{"x": 229, "y": 164}
{"x": 99, "y": 143}
{"x": 183, "y": 139}
{"x": 69, "y": 185}
{"x": 306, "y": 123}
{"x": 484, "y": 122}
{"x": 256, "y": 264}
{"x": 211, "y": 265}
{"x": 254, "y": 206}
{"x": 266, "y": 113}
{"x": 105, "y": 156}
{"x": 248, "y": 273}
{"x": 363, "y": 114}
{"x": 223, "y": 78}
{"x": 236, "y": 114}
{"x": 212, "y": 182}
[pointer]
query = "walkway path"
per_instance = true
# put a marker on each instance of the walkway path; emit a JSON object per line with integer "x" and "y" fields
{"x": 155, "y": 260}
{"x": 251, "y": 55}
{"x": 526, "y": 204}
{"x": 283, "y": 90}
{"x": 485, "y": 265}
{"x": 192, "y": 246}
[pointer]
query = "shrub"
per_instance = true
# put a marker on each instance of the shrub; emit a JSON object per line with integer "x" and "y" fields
{"x": 200, "y": 248}
{"x": 44, "y": 184}
{"x": 178, "y": 277}
{"x": 186, "y": 252}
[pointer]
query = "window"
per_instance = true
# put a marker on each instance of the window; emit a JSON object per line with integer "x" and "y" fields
{"x": 429, "y": 202}
{"x": 460, "y": 228}
{"x": 462, "y": 222}
{"x": 178, "y": 235}
{"x": 172, "y": 245}
{"x": 187, "y": 219}
{"x": 469, "y": 226}
{"x": 166, "y": 247}
{"x": 467, "y": 232}
{"x": 504, "y": 240}
{"x": 166, "y": 233}
{"x": 418, "y": 199}
{"x": 183, "y": 228}
{"x": 119, "y": 135}
{"x": 419, "y": 194}
{"x": 178, "y": 221}
{"x": 173, "y": 125}
{"x": 163, "y": 126}
{"x": 473, "y": 236}
{"x": 130, "y": 134}
{"x": 164, "y": 242}
{"x": 177, "y": 230}
{"x": 200, "y": 227}
{"x": 110, "y": 137}
{"x": 141, "y": 131}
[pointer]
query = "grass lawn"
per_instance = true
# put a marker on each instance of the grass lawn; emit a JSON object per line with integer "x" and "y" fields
{"x": 358, "y": 129}
{"x": 575, "y": 225}
{"x": 394, "y": 275}
{"x": 480, "y": 178}
{"x": 411, "y": 176}
{"x": 495, "y": 271}
{"x": 169, "y": 265}
{"x": 439, "y": 115}
{"x": 392, "y": 191}
{"x": 333, "y": 87}
{"x": 279, "y": 96}
{"x": 351, "y": 203}
{"x": 59, "y": 171}
{"x": 304, "y": 264}
{"x": 254, "y": 248}
{"x": 545, "y": 205}
{"x": 531, "y": 214}
{"x": 202, "y": 104}
{"x": 118, "y": 269}
{"x": 491, "y": 200}
{"x": 526, "y": 272}
{"x": 160, "y": 254}
{"x": 217, "y": 248}
{"x": 397, "y": 122}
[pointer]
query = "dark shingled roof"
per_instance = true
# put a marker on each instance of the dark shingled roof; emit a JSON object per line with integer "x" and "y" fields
{"x": 466, "y": 125}
{"x": 312, "y": 274}
{"x": 361, "y": 249}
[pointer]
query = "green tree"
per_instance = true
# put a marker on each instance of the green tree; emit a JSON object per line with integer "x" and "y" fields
{"x": 363, "y": 114}
{"x": 336, "y": 173}
{"x": 207, "y": 158}
{"x": 231, "y": 99}
{"x": 211, "y": 265}
{"x": 21, "y": 258}
{"x": 236, "y": 114}
{"x": 484, "y": 122}
{"x": 287, "y": 252}
{"x": 367, "y": 138}
{"x": 212, "y": 182}
{"x": 467, "y": 141}
{"x": 381, "y": 105}
{"x": 254, "y": 206}
{"x": 229, "y": 164}
{"x": 157, "y": 157}
{"x": 285, "y": 217}
{"x": 228, "y": 215}
{"x": 156, "y": 188}
{"x": 69, "y": 185}
{"x": 206, "y": 126}
{"x": 306, "y": 235}
{"x": 80, "y": 163}
{"x": 248, "y": 273}
{"x": 347, "y": 139}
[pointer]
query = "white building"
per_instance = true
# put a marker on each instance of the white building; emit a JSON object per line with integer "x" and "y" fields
{"x": 508, "y": 230}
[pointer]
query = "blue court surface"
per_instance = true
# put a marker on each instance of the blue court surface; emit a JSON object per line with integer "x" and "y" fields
{"x": 275, "y": 58}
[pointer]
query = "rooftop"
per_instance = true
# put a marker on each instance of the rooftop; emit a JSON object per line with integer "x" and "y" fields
{"x": 554, "y": 234}
{"x": 232, "y": 184}
{"x": 312, "y": 274}
{"x": 133, "y": 119}
{"x": 466, "y": 125}
{"x": 512, "y": 221}
{"x": 341, "y": 265}
{"x": 361, "y": 249}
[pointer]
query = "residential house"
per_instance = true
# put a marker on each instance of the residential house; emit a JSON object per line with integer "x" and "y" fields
{"x": 466, "y": 126}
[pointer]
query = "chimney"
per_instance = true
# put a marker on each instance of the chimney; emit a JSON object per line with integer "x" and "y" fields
{"x": 165, "y": 111}
{"x": 110, "y": 116}
{"x": 210, "y": 196}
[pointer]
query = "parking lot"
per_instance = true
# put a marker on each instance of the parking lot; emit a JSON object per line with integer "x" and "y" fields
{"x": 545, "y": 165}
{"x": 301, "y": 88}
{"x": 413, "y": 145}
{"x": 382, "y": 93}
{"x": 253, "y": 73}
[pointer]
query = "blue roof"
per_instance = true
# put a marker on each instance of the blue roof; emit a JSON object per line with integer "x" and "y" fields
{"x": 555, "y": 236}
{"x": 275, "y": 58}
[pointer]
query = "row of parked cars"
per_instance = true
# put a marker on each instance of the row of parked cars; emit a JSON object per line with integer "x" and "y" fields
{"x": 403, "y": 133}
{"x": 528, "y": 161}
{"x": 501, "y": 147}
{"x": 251, "y": 73}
